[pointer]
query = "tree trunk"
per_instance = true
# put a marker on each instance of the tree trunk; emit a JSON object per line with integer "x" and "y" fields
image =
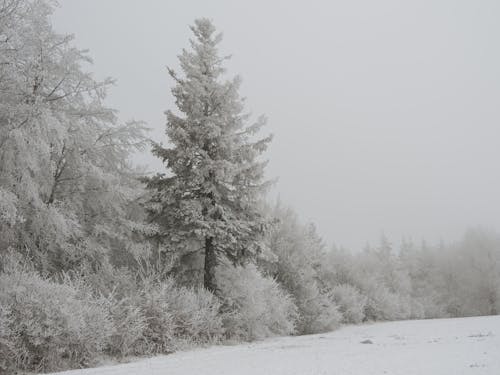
{"x": 209, "y": 281}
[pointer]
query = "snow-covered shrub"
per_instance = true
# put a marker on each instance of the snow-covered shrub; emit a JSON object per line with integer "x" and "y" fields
{"x": 50, "y": 326}
{"x": 8, "y": 208}
{"x": 6, "y": 344}
{"x": 108, "y": 280}
{"x": 9, "y": 217}
{"x": 196, "y": 315}
{"x": 129, "y": 325}
{"x": 298, "y": 253}
{"x": 255, "y": 306}
{"x": 382, "y": 304}
{"x": 351, "y": 303}
{"x": 178, "y": 316}
{"x": 417, "y": 309}
{"x": 318, "y": 312}
{"x": 159, "y": 331}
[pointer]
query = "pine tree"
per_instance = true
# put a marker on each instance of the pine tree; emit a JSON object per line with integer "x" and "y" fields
{"x": 212, "y": 192}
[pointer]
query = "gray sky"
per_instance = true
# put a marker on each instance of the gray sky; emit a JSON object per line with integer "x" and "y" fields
{"x": 386, "y": 114}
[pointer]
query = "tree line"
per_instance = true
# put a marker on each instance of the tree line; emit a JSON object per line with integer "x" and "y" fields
{"x": 98, "y": 258}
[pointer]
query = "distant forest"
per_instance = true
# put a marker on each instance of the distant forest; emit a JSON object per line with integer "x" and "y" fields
{"x": 99, "y": 259}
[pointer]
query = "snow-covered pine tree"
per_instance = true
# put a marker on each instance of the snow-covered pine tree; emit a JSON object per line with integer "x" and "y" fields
{"x": 212, "y": 192}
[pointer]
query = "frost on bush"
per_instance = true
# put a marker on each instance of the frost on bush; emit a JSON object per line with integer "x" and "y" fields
{"x": 178, "y": 317}
{"x": 318, "y": 311}
{"x": 50, "y": 326}
{"x": 195, "y": 313}
{"x": 129, "y": 324}
{"x": 351, "y": 303}
{"x": 8, "y": 208}
{"x": 113, "y": 282}
{"x": 6, "y": 345}
{"x": 255, "y": 306}
{"x": 159, "y": 331}
{"x": 417, "y": 309}
{"x": 9, "y": 217}
{"x": 383, "y": 304}
{"x": 299, "y": 252}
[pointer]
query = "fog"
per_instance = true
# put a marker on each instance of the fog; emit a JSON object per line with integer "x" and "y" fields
{"x": 385, "y": 114}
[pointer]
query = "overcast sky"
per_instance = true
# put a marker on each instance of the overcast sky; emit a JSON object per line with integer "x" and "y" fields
{"x": 386, "y": 114}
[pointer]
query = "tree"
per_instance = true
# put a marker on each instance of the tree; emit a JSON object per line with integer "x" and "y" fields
{"x": 65, "y": 180}
{"x": 296, "y": 263}
{"x": 211, "y": 195}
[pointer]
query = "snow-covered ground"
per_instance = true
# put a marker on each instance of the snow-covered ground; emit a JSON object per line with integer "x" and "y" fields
{"x": 426, "y": 347}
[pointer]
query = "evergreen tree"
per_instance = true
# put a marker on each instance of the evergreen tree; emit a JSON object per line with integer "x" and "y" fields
{"x": 211, "y": 194}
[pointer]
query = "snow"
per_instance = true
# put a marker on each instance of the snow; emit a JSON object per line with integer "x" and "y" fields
{"x": 437, "y": 347}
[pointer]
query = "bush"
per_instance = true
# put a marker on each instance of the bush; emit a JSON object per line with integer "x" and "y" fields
{"x": 47, "y": 325}
{"x": 318, "y": 312}
{"x": 50, "y": 326}
{"x": 255, "y": 306}
{"x": 351, "y": 303}
{"x": 298, "y": 252}
{"x": 159, "y": 330}
{"x": 382, "y": 304}
{"x": 110, "y": 281}
{"x": 178, "y": 317}
{"x": 417, "y": 309}
{"x": 129, "y": 326}
{"x": 196, "y": 315}
{"x": 6, "y": 345}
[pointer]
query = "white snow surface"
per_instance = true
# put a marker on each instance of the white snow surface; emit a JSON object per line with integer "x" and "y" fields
{"x": 426, "y": 347}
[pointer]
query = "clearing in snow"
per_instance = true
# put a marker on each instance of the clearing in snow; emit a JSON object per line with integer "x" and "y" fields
{"x": 426, "y": 347}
